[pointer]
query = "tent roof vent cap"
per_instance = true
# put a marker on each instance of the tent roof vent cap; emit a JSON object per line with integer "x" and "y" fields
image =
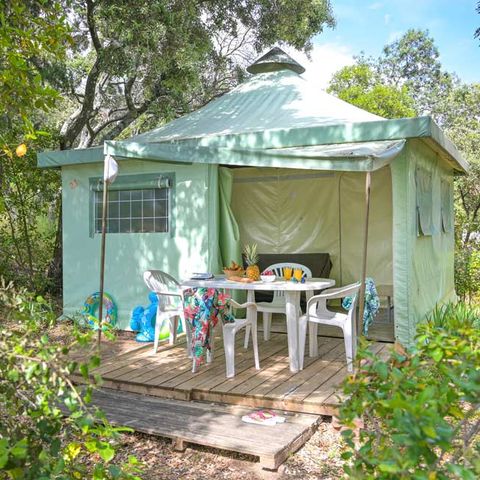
{"x": 274, "y": 60}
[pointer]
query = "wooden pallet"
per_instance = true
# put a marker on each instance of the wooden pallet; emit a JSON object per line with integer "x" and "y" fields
{"x": 212, "y": 425}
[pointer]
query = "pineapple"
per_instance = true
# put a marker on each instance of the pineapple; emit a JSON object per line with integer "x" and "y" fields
{"x": 251, "y": 259}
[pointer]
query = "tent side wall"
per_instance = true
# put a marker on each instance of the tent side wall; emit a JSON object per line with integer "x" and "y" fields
{"x": 191, "y": 246}
{"x": 423, "y": 263}
{"x": 297, "y": 211}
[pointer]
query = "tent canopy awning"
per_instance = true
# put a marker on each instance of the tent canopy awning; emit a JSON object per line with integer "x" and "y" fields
{"x": 349, "y": 146}
{"x": 357, "y": 157}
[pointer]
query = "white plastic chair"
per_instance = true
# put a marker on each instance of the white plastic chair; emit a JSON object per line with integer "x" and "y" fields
{"x": 277, "y": 305}
{"x": 317, "y": 312}
{"x": 170, "y": 306}
{"x": 229, "y": 331}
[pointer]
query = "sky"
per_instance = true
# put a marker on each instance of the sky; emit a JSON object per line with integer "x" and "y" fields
{"x": 368, "y": 25}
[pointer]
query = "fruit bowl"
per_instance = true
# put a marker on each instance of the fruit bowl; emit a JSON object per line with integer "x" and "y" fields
{"x": 268, "y": 278}
{"x": 233, "y": 273}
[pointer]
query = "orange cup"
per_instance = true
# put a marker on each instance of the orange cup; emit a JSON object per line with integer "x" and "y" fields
{"x": 287, "y": 273}
{"x": 298, "y": 274}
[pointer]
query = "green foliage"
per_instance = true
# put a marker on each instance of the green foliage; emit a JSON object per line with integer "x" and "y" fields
{"x": 421, "y": 407}
{"x": 28, "y": 213}
{"x": 361, "y": 86}
{"x": 413, "y": 61}
{"x": 408, "y": 69}
{"x": 30, "y": 32}
{"x": 47, "y": 428}
{"x": 467, "y": 273}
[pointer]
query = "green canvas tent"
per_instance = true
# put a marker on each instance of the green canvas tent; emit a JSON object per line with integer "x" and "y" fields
{"x": 277, "y": 162}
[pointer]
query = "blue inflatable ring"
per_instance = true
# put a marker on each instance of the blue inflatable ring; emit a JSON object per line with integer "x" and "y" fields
{"x": 90, "y": 308}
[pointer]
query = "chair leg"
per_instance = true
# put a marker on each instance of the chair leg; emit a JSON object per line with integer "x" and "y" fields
{"x": 302, "y": 337}
{"x": 158, "y": 323}
{"x": 229, "y": 347}
{"x": 247, "y": 336}
{"x": 194, "y": 366}
{"x": 255, "y": 341}
{"x": 313, "y": 339}
{"x": 211, "y": 353}
{"x": 188, "y": 334}
{"x": 267, "y": 325}
{"x": 173, "y": 330}
{"x": 347, "y": 335}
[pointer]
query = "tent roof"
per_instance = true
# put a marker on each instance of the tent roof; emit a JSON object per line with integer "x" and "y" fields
{"x": 267, "y": 101}
{"x": 274, "y": 110}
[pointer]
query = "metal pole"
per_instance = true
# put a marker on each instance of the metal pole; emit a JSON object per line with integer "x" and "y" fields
{"x": 361, "y": 307}
{"x": 102, "y": 264}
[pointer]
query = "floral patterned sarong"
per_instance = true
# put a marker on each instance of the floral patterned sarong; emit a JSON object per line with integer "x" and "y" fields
{"x": 202, "y": 308}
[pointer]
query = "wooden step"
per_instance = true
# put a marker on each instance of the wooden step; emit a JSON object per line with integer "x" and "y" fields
{"x": 212, "y": 425}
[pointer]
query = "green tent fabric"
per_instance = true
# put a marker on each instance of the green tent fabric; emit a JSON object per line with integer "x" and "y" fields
{"x": 447, "y": 223}
{"x": 229, "y": 233}
{"x": 423, "y": 183}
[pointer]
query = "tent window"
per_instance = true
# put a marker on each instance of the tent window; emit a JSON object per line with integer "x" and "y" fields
{"x": 446, "y": 210}
{"x": 134, "y": 211}
{"x": 135, "y": 204}
{"x": 424, "y": 201}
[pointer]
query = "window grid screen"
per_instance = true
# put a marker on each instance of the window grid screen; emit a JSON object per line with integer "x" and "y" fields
{"x": 134, "y": 211}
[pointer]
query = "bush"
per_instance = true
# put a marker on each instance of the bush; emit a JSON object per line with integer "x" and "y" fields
{"x": 467, "y": 272}
{"x": 420, "y": 407}
{"x": 47, "y": 428}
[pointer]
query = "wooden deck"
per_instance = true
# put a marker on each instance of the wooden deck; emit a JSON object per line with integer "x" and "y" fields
{"x": 132, "y": 367}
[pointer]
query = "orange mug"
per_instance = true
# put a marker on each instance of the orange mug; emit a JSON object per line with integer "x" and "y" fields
{"x": 287, "y": 273}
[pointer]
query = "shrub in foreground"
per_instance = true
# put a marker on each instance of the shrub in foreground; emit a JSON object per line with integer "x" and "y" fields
{"x": 420, "y": 407}
{"x": 47, "y": 428}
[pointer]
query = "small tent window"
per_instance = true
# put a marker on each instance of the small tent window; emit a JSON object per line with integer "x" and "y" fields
{"x": 424, "y": 201}
{"x": 135, "y": 204}
{"x": 446, "y": 209}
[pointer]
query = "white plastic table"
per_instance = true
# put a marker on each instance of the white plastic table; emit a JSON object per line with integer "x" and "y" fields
{"x": 292, "y": 299}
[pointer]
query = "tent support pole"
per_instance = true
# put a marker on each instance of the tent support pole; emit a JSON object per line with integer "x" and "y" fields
{"x": 102, "y": 264}
{"x": 361, "y": 307}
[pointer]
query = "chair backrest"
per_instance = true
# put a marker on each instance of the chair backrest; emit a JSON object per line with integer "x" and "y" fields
{"x": 277, "y": 268}
{"x": 164, "y": 285}
{"x": 346, "y": 291}
{"x": 349, "y": 290}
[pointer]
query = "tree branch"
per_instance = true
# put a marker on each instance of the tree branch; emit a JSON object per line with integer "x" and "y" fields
{"x": 92, "y": 27}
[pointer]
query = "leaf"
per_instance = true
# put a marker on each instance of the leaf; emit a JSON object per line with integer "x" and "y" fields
{"x": 389, "y": 467}
{"x": 429, "y": 431}
{"x": 106, "y": 452}
{"x": 3, "y": 458}
{"x": 20, "y": 449}
{"x": 437, "y": 354}
{"x": 73, "y": 449}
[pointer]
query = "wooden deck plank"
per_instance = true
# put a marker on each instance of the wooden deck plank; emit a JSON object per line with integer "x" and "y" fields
{"x": 141, "y": 356}
{"x": 328, "y": 389}
{"x": 328, "y": 365}
{"x": 244, "y": 359}
{"x": 246, "y": 368}
{"x": 149, "y": 367}
{"x": 282, "y": 376}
